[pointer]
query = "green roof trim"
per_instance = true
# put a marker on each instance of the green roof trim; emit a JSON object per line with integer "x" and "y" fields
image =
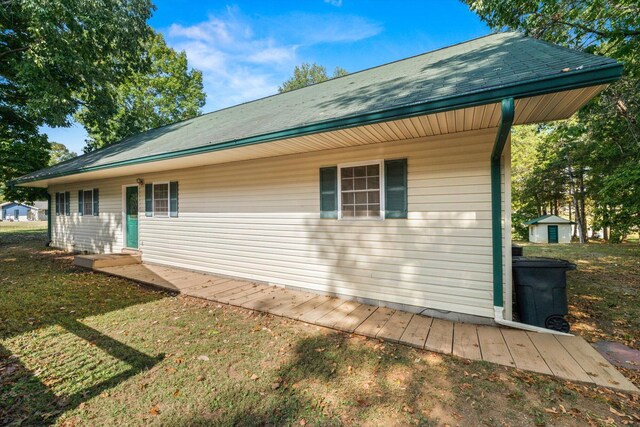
{"x": 481, "y": 71}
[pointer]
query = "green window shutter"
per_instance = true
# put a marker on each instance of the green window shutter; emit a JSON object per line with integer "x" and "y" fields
{"x": 395, "y": 188}
{"x": 173, "y": 198}
{"x": 329, "y": 192}
{"x": 57, "y": 203}
{"x": 80, "y": 203}
{"x": 148, "y": 199}
{"x": 96, "y": 202}
{"x": 67, "y": 203}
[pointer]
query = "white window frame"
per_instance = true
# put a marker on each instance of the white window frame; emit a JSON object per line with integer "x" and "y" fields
{"x": 84, "y": 202}
{"x": 379, "y": 162}
{"x": 153, "y": 198}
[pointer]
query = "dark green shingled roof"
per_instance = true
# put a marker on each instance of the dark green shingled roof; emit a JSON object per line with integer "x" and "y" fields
{"x": 476, "y": 72}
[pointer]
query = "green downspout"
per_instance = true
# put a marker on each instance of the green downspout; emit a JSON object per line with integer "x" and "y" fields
{"x": 506, "y": 120}
{"x": 48, "y": 218}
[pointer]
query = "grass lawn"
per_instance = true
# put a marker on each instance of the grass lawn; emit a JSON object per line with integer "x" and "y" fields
{"x": 78, "y": 348}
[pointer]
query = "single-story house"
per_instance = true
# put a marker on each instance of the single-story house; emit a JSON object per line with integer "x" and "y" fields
{"x": 15, "y": 211}
{"x": 549, "y": 229}
{"x": 388, "y": 185}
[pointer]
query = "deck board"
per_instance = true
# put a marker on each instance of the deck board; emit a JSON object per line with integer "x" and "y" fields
{"x": 565, "y": 357}
{"x": 417, "y": 331}
{"x": 525, "y": 354}
{"x": 261, "y": 299}
{"x": 596, "y": 366}
{"x": 394, "y": 328}
{"x": 237, "y": 294}
{"x": 493, "y": 346}
{"x": 321, "y": 310}
{"x": 284, "y": 308}
{"x": 338, "y": 313}
{"x": 375, "y": 322}
{"x": 354, "y": 319}
{"x": 440, "y": 337}
{"x": 558, "y": 359}
{"x": 465, "y": 341}
{"x": 312, "y": 304}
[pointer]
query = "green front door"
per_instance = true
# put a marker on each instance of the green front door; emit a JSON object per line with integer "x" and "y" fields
{"x": 132, "y": 216}
{"x": 552, "y": 233}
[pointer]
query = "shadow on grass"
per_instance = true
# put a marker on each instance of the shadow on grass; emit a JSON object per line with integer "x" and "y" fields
{"x": 39, "y": 290}
{"x": 320, "y": 386}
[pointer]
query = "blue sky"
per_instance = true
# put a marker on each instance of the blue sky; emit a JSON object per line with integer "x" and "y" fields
{"x": 246, "y": 49}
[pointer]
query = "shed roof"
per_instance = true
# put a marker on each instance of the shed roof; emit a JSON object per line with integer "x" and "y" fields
{"x": 476, "y": 72}
{"x": 549, "y": 219}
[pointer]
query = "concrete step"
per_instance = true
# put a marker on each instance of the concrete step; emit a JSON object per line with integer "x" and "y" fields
{"x": 106, "y": 260}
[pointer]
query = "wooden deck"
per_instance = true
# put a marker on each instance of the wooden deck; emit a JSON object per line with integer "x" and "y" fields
{"x": 566, "y": 357}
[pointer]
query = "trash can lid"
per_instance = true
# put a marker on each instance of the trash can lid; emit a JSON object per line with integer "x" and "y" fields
{"x": 541, "y": 262}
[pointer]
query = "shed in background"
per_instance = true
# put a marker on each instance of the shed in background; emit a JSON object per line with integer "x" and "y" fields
{"x": 549, "y": 229}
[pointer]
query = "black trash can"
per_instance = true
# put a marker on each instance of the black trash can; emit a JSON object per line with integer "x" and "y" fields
{"x": 516, "y": 250}
{"x": 541, "y": 291}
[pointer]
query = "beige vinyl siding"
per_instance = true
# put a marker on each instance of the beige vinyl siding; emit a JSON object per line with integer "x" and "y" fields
{"x": 260, "y": 219}
{"x": 91, "y": 233}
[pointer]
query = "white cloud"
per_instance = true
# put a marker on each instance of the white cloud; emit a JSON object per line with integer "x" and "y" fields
{"x": 244, "y": 59}
{"x": 336, "y": 3}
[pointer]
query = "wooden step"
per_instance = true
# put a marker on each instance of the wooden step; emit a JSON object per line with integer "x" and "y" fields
{"x": 106, "y": 260}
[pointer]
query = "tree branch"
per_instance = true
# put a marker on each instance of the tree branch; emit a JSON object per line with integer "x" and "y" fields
{"x": 20, "y": 49}
{"x": 606, "y": 34}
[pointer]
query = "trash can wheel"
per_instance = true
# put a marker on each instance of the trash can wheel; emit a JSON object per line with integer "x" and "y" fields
{"x": 557, "y": 323}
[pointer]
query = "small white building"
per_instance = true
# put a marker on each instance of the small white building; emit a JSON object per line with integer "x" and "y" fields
{"x": 549, "y": 229}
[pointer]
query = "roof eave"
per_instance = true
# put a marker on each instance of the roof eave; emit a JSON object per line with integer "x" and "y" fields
{"x": 565, "y": 81}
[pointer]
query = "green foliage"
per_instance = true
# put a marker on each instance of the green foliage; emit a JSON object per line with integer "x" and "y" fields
{"x": 167, "y": 92}
{"x": 59, "y": 153}
{"x": 52, "y": 52}
{"x": 308, "y": 74}
{"x": 56, "y": 56}
{"x": 598, "y": 154}
{"x": 21, "y": 151}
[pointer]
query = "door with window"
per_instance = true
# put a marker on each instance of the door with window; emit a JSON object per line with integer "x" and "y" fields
{"x": 552, "y": 233}
{"x": 16, "y": 214}
{"x": 131, "y": 214}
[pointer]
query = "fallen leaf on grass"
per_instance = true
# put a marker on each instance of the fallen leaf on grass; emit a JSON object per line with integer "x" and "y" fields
{"x": 254, "y": 377}
{"x": 303, "y": 422}
{"x": 199, "y": 378}
{"x": 176, "y": 393}
{"x": 203, "y": 358}
{"x": 618, "y": 413}
{"x": 154, "y": 410}
{"x": 551, "y": 410}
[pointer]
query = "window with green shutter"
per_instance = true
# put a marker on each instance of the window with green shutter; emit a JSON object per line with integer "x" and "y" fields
{"x": 96, "y": 202}
{"x": 161, "y": 199}
{"x": 148, "y": 200}
{"x": 329, "y": 192}
{"x": 366, "y": 190}
{"x": 395, "y": 174}
{"x": 67, "y": 203}
{"x": 80, "y": 202}
{"x": 173, "y": 199}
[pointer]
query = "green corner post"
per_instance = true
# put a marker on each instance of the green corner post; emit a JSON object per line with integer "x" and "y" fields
{"x": 504, "y": 128}
{"x": 48, "y": 217}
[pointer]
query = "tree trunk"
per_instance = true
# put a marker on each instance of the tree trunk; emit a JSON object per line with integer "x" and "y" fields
{"x": 583, "y": 217}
